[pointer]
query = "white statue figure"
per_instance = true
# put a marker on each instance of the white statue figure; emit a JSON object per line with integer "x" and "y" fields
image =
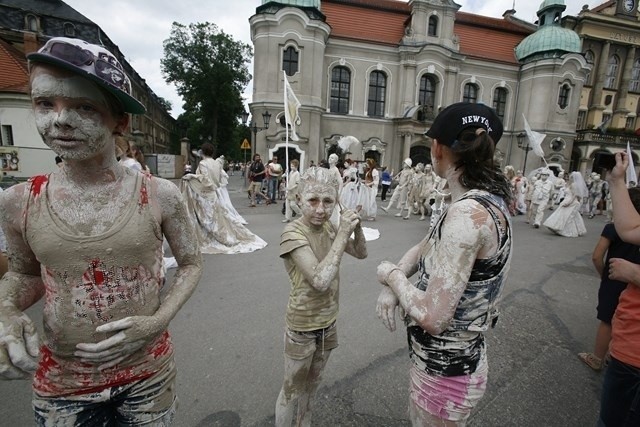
{"x": 442, "y": 198}
{"x": 595, "y": 195}
{"x": 426, "y": 194}
{"x": 520, "y": 187}
{"x": 540, "y": 198}
{"x": 293, "y": 183}
{"x": 401, "y": 192}
{"x": 413, "y": 199}
{"x": 559, "y": 186}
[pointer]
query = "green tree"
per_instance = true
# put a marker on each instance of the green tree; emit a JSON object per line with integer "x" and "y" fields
{"x": 165, "y": 103}
{"x": 209, "y": 69}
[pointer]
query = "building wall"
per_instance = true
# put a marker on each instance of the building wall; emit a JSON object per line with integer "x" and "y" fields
{"x": 34, "y": 157}
{"x": 532, "y": 88}
{"x": 604, "y": 32}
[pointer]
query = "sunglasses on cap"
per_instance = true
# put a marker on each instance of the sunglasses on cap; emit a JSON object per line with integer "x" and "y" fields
{"x": 104, "y": 66}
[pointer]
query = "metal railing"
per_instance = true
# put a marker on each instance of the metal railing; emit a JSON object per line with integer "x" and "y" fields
{"x": 606, "y": 138}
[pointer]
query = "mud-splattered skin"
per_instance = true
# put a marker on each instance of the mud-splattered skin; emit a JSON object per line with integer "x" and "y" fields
{"x": 468, "y": 233}
{"x": 88, "y": 195}
{"x": 302, "y": 376}
{"x": 317, "y": 203}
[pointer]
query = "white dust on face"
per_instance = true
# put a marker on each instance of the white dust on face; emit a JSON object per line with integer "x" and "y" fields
{"x": 317, "y": 203}
{"x": 71, "y": 115}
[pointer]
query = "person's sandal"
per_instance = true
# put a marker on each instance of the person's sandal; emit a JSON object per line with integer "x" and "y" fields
{"x": 591, "y": 360}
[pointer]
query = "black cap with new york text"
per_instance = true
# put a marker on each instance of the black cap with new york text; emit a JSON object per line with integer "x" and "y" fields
{"x": 457, "y": 117}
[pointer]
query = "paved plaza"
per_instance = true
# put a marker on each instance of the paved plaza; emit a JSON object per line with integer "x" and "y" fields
{"x": 228, "y": 337}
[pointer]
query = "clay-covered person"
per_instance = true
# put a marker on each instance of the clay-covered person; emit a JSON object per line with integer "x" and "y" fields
{"x": 312, "y": 250}
{"x": 462, "y": 266}
{"x": 88, "y": 238}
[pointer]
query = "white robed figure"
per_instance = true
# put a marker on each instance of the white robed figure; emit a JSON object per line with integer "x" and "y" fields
{"x": 223, "y": 193}
{"x": 566, "y": 220}
{"x": 217, "y": 230}
{"x": 368, "y": 191}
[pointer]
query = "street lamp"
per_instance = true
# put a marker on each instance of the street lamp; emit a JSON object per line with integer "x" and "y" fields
{"x": 523, "y": 143}
{"x": 266, "y": 117}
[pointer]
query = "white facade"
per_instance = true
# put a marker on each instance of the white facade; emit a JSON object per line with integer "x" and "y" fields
{"x": 34, "y": 157}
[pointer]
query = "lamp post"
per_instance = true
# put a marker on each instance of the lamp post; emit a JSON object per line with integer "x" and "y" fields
{"x": 266, "y": 117}
{"x": 523, "y": 143}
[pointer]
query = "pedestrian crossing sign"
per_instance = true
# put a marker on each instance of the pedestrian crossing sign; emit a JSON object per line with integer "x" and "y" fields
{"x": 245, "y": 145}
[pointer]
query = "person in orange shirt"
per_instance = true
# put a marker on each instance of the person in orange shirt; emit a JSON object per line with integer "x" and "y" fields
{"x": 620, "y": 402}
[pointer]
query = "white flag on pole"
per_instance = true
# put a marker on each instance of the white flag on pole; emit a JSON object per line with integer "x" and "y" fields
{"x": 535, "y": 139}
{"x": 291, "y": 106}
{"x": 631, "y": 169}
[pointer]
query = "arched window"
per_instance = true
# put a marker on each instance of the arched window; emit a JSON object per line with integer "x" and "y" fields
{"x": 590, "y": 58}
{"x": 427, "y": 94}
{"x": 433, "y": 26}
{"x": 69, "y": 29}
{"x": 31, "y": 23}
{"x": 377, "y": 94}
{"x": 290, "y": 61}
{"x": 612, "y": 72}
{"x": 500, "y": 102}
{"x": 563, "y": 96}
{"x": 470, "y": 93}
{"x": 634, "y": 83}
{"x": 340, "y": 89}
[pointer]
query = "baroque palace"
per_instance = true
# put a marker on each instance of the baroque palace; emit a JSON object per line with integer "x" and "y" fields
{"x": 379, "y": 70}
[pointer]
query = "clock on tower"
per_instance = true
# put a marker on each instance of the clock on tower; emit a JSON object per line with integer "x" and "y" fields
{"x": 627, "y": 7}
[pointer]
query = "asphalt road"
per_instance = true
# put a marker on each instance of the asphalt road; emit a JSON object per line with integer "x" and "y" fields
{"x": 228, "y": 337}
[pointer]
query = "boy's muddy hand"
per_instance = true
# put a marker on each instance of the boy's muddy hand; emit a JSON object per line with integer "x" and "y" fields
{"x": 18, "y": 345}
{"x": 349, "y": 220}
{"x": 133, "y": 333}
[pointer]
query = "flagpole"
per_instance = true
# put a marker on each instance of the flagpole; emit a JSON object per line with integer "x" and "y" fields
{"x": 286, "y": 140}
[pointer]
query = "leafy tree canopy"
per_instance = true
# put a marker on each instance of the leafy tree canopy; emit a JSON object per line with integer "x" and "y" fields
{"x": 165, "y": 103}
{"x": 209, "y": 69}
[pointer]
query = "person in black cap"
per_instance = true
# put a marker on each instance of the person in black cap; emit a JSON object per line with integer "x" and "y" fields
{"x": 462, "y": 265}
{"x": 89, "y": 238}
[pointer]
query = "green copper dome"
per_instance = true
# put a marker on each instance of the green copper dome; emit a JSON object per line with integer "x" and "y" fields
{"x": 299, "y": 3}
{"x": 550, "y": 39}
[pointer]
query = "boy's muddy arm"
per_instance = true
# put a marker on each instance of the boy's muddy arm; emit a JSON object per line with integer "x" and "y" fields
{"x": 20, "y": 288}
{"x": 136, "y": 331}
{"x": 321, "y": 274}
{"x": 357, "y": 247}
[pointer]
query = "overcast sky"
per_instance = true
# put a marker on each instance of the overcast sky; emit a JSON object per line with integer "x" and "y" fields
{"x": 139, "y": 27}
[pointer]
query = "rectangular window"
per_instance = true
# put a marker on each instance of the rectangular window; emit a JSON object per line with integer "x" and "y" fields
{"x": 500, "y": 102}
{"x": 630, "y": 123}
{"x": 470, "y": 93}
{"x": 581, "y": 123}
{"x": 6, "y": 135}
{"x": 290, "y": 61}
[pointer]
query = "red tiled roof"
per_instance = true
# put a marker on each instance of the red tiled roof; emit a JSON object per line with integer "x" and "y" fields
{"x": 377, "y": 21}
{"x": 383, "y": 21}
{"x": 488, "y": 38}
{"x": 14, "y": 76}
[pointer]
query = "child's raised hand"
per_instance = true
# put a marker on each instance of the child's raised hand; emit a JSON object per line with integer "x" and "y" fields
{"x": 349, "y": 220}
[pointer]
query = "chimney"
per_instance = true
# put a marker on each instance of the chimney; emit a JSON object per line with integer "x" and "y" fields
{"x": 30, "y": 42}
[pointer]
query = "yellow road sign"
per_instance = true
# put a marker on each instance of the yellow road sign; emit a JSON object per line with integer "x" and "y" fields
{"x": 245, "y": 145}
